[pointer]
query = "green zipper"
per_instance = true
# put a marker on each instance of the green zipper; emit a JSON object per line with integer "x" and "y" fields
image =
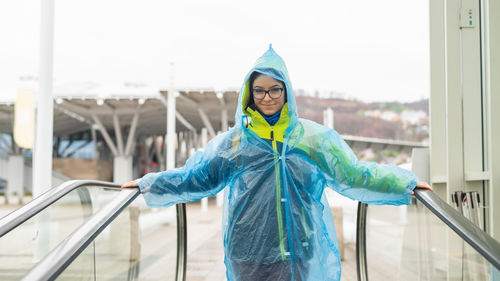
{"x": 278, "y": 198}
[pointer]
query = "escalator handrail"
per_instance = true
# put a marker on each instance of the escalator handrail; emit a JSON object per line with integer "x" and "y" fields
{"x": 487, "y": 246}
{"x": 60, "y": 257}
{"x": 38, "y": 204}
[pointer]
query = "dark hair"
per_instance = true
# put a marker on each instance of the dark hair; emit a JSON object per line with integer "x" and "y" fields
{"x": 251, "y": 79}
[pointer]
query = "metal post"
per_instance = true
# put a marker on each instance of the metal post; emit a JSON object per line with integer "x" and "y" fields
{"x": 224, "y": 122}
{"x": 204, "y": 141}
{"x": 328, "y": 118}
{"x": 492, "y": 87}
{"x": 171, "y": 129}
{"x": 42, "y": 152}
{"x": 180, "y": 274}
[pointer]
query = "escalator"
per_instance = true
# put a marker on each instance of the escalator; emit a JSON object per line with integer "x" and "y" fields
{"x": 427, "y": 240}
{"x": 91, "y": 230}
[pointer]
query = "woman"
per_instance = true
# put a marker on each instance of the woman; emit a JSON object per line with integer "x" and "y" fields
{"x": 277, "y": 224}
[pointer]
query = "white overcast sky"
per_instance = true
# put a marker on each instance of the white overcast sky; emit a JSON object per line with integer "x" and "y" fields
{"x": 369, "y": 50}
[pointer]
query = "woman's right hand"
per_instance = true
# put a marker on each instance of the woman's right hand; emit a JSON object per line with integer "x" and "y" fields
{"x": 131, "y": 184}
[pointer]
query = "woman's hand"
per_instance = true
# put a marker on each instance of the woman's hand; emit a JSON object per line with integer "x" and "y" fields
{"x": 423, "y": 185}
{"x": 131, "y": 184}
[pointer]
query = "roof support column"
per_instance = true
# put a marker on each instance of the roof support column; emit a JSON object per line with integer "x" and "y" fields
{"x": 223, "y": 117}
{"x": 204, "y": 141}
{"x": 224, "y": 127}
{"x": 122, "y": 164}
{"x": 224, "y": 122}
{"x": 171, "y": 129}
{"x": 42, "y": 152}
{"x": 328, "y": 118}
{"x": 122, "y": 169}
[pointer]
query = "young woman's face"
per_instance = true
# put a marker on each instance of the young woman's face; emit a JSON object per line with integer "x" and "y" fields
{"x": 268, "y": 105}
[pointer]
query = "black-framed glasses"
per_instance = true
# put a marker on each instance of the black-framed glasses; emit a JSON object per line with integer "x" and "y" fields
{"x": 274, "y": 93}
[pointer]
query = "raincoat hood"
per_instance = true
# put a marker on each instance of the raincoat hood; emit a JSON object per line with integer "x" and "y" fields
{"x": 272, "y": 65}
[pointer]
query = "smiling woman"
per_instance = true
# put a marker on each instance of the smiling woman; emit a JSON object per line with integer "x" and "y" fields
{"x": 268, "y": 102}
{"x": 277, "y": 224}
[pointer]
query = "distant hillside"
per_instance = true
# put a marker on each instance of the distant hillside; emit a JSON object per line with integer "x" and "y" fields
{"x": 349, "y": 117}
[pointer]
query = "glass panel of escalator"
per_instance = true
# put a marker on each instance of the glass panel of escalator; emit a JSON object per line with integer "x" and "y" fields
{"x": 139, "y": 244}
{"x": 25, "y": 245}
{"x": 411, "y": 243}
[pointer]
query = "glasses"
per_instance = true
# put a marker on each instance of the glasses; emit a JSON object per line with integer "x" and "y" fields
{"x": 274, "y": 93}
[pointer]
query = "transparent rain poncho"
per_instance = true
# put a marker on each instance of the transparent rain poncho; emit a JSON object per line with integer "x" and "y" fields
{"x": 277, "y": 224}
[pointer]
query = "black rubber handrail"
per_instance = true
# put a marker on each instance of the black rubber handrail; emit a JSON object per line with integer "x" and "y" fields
{"x": 180, "y": 273}
{"x": 361, "y": 264}
{"x": 488, "y": 247}
{"x": 38, "y": 204}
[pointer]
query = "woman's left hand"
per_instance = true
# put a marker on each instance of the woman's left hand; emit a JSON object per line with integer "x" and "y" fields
{"x": 423, "y": 185}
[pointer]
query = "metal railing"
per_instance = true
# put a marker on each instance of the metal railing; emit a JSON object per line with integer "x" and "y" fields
{"x": 38, "y": 204}
{"x": 54, "y": 263}
{"x": 488, "y": 247}
{"x": 61, "y": 256}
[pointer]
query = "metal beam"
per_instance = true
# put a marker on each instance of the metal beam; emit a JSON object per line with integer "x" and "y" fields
{"x": 71, "y": 107}
{"x": 179, "y": 116}
{"x": 184, "y": 121}
{"x": 69, "y": 129}
{"x": 206, "y": 121}
{"x": 188, "y": 100}
{"x": 42, "y": 152}
{"x": 118, "y": 133}
{"x": 104, "y": 133}
{"x": 170, "y": 145}
{"x": 131, "y": 133}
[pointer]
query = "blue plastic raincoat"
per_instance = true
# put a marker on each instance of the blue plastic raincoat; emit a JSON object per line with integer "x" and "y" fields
{"x": 277, "y": 224}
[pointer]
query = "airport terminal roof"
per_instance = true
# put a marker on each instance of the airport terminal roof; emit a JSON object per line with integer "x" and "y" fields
{"x": 76, "y": 108}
